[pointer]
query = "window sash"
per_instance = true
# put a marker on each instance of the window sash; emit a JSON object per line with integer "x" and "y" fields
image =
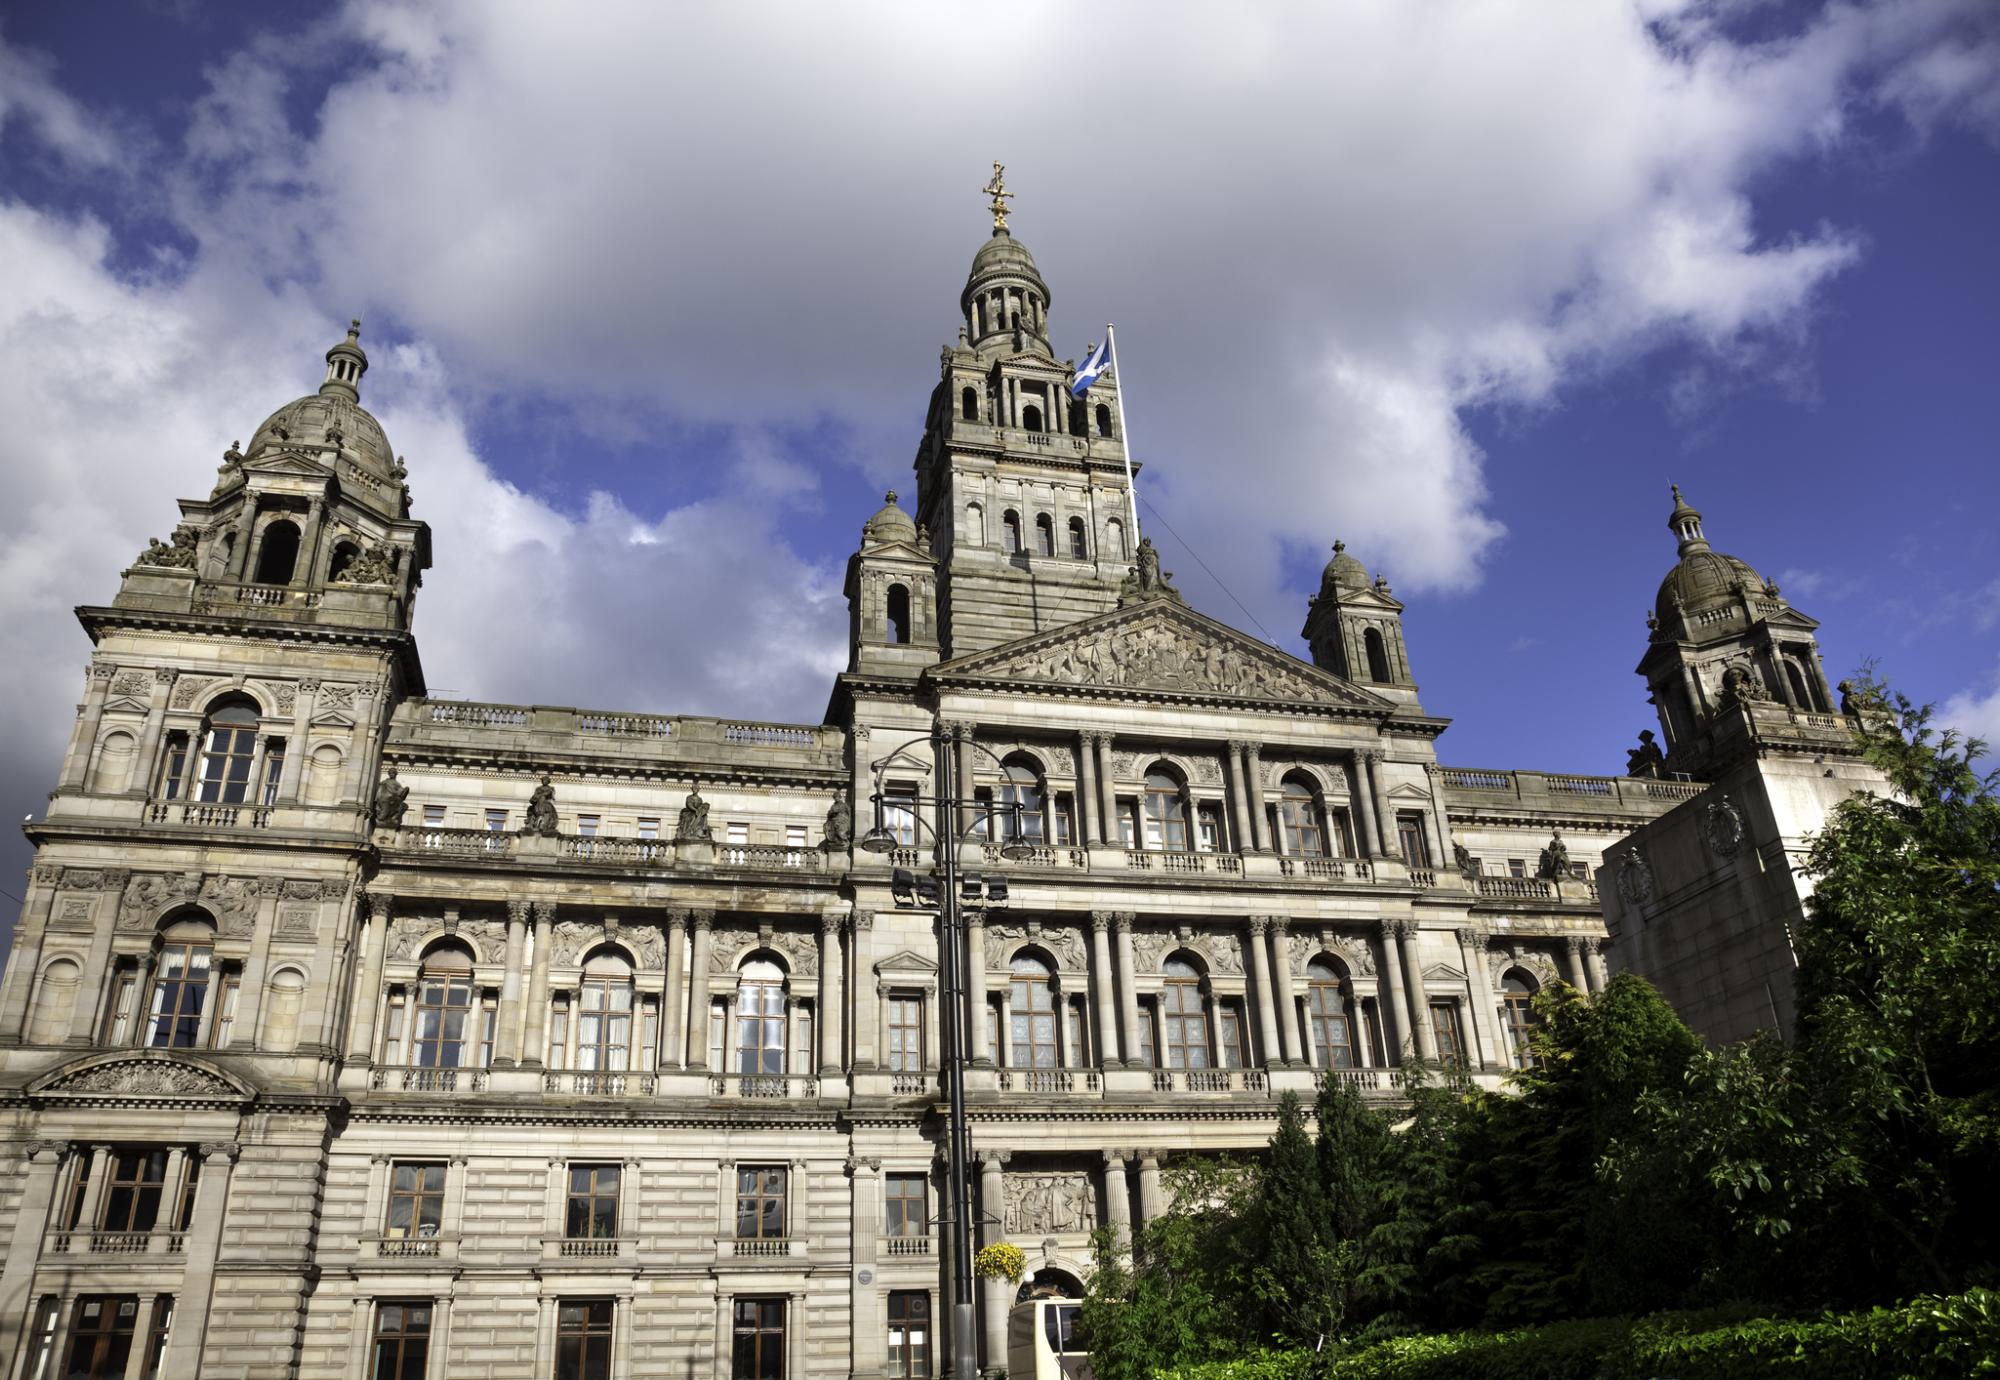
{"x": 1186, "y": 1025}
{"x": 906, "y": 1035}
{"x": 906, "y": 1205}
{"x": 443, "y": 1006}
{"x": 583, "y": 1339}
{"x": 416, "y": 1200}
{"x": 760, "y": 1028}
{"x": 1332, "y": 1026}
{"x": 760, "y": 1203}
{"x": 132, "y": 1200}
{"x": 180, "y": 991}
{"x": 1449, "y": 1033}
{"x": 1031, "y": 1025}
{"x": 100, "y": 1337}
{"x": 909, "y": 1335}
{"x": 592, "y": 1202}
{"x": 224, "y": 769}
{"x": 402, "y": 1340}
{"x": 758, "y": 1337}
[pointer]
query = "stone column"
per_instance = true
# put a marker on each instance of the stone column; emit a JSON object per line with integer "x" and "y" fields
{"x": 1485, "y": 1020}
{"x": 673, "y": 1018}
{"x": 1402, "y": 1039}
{"x": 1413, "y": 975}
{"x": 1260, "y": 820}
{"x": 1578, "y": 977}
{"x": 303, "y": 700}
{"x": 367, "y": 1002}
{"x": 1288, "y": 1006}
{"x": 246, "y": 524}
{"x": 17, "y": 990}
{"x": 1118, "y": 1199}
{"x": 24, "y": 1242}
{"x": 866, "y": 1322}
{"x": 697, "y": 1021}
{"x": 1434, "y": 822}
{"x": 867, "y": 1013}
{"x": 172, "y": 1184}
{"x": 832, "y": 1002}
{"x": 93, "y": 987}
{"x": 306, "y": 572}
{"x": 1089, "y": 824}
{"x": 1239, "y": 797}
{"x": 84, "y": 746}
{"x": 1385, "y": 813}
{"x": 190, "y": 1326}
{"x": 975, "y": 989}
{"x": 1108, "y": 785}
{"x": 621, "y": 1336}
{"x": 535, "y": 1026}
{"x": 1593, "y": 955}
{"x": 1152, "y": 1198}
{"x": 250, "y": 993}
{"x": 1260, "y": 984}
{"x": 1364, "y": 807}
{"x": 146, "y": 767}
{"x": 992, "y": 1208}
{"x": 1110, "y": 1047}
{"x": 507, "y": 1047}
{"x": 1128, "y": 991}
{"x": 962, "y": 813}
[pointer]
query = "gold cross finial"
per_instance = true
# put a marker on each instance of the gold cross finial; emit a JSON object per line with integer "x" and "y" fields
{"x": 997, "y": 189}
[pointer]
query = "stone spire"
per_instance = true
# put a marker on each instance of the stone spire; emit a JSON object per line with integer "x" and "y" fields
{"x": 345, "y": 364}
{"x": 1685, "y": 523}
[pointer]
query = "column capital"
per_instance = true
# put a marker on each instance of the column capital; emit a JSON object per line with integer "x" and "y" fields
{"x": 1279, "y": 924}
{"x": 102, "y": 670}
{"x": 863, "y": 920}
{"x": 1574, "y": 943}
{"x": 379, "y": 905}
{"x": 1101, "y": 920}
{"x": 167, "y": 675}
{"x": 994, "y": 1159}
{"x": 1115, "y": 1159}
{"x": 517, "y": 911}
{"x": 959, "y": 728}
{"x": 1150, "y": 1159}
{"x": 857, "y": 1165}
{"x": 32, "y": 1151}
{"x": 1254, "y": 750}
{"x": 831, "y": 924}
{"x": 1239, "y": 744}
{"x": 1259, "y": 924}
{"x": 1471, "y": 936}
{"x": 1123, "y": 920}
{"x": 223, "y": 1149}
{"x": 703, "y": 919}
{"x": 1401, "y": 927}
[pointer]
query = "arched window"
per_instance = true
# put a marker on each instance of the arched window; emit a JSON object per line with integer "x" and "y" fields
{"x": 975, "y": 524}
{"x": 1079, "y": 546}
{"x": 1166, "y": 813}
{"x": 1010, "y": 532}
{"x": 1299, "y": 820}
{"x": 1045, "y": 535}
{"x": 228, "y": 748}
{"x": 278, "y": 554}
{"x": 444, "y": 1008}
{"x": 1182, "y": 1016}
{"x": 604, "y": 1014}
{"x": 1103, "y": 420}
{"x": 968, "y": 404}
{"x": 344, "y": 554}
{"x": 1031, "y": 418}
{"x": 1801, "y": 695}
{"x": 181, "y": 970}
{"x": 899, "y": 614}
{"x": 1332, "y": 1012}
{"x": 1023, "y": 787}
{"x": 1114, "y": 540}
{"x": 1378, "y": 654}
{"x": 760, "y": 1018}
{"x": 1031, "y": 1015}
{"x": 1517, "y": 1015}
{"x": 112, "y": 771}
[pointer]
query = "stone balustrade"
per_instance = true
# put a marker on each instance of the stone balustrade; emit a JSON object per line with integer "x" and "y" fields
{"x": 581, "y": 1083}
{"x": 545, "y": 730}
{"x": 424, "y": 1080}
{"x": 208, "y": 814}
{"x": 1208, "y": 1080}
{"x": 1622, "y": 795}
{"x": 1049, "y": 1081}
{"x": 763, "y": 1086}
{"x": 1366, "y": 1080}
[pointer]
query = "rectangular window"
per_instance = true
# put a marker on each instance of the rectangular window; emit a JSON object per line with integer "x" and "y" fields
{"x": 583, "y": 1339}
{"x": 402, "y": 1340}
{"x": 496, "y": 821}
{"x": 118, "y": 1015}
{"x": 739, "y": 833}
{"x": 1517, "y": 867}
{"x": 899, "y": 812}
{"x": 1229, "y": 1036}
{"x": 79, "y": 1191}
{"x": 190, "y": 1181}
{"x": 156, "y": 1336}
{"x": 906, "y": 1205}
{"x": 1079, "y": 1036}
{"x": 42, "y": 1337}
{"x": 132, "y": 1199}
{"x": 1410, "y": 837}
{"x": 649, "y": 827}
{"x": 1208, "y": 824}
{"x": 1147, "y": 1056}
{"x": 593, "y": 1202}
{"x": 227, "y": 993}
{"x": 649, "y": 1032}
{"x": 1580, "y": 871}
{"x": 795, "y": 836}
{"x": 1059, "y": 819}
{"x": 718, "y": 1026}
{"x": 760, "y": 1203}
{"x": 173, "y": 766}
{"x": 100, "y": 1337}
{"x": 1450, "y": 1034}
{"x": 433, "y": 816}
{"x": 274, "y": 770}
{"x": 906, "y": 1034}
{"x": 757, "y": 1350}
{"x": 392, "y": 1028}
{"x": 586, "y": 826}
{"x": 909, "y": 1335}
{"x": 1128, "y": 823}
{"x": 559, "y": 1033}
{"x": 416, "y": 1200}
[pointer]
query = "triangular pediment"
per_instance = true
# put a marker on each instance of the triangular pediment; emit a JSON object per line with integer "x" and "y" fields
{"x": 1160, "y": 647}
{"x": 287, "y": 462}
{"x": 907, "y": 961}
{"x": 898, "y": 550}
{"x": 1443, "y": 972}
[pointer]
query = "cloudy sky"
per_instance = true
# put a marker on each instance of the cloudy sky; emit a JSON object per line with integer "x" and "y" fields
{"x": 653, "y": 296}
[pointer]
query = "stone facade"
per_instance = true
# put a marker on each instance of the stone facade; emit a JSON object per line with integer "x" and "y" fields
{"x": 344, "y": 1022}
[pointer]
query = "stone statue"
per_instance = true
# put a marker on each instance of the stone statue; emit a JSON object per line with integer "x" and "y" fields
{"x": 1555, "y": 858}
{"x": 542, "y": 821}
{"x": 1468, "y": 866}
{"x": 1645, "y": 759}
{"x": 1741, "y": 685}
{"x": 392, "y": 801}
{"x": 839, "y": 822}
{"x": 375, "y": 566}
{"x": 1146, "y": 580}
{"x": 179, "y": 556}
{"x": 693, "y": 825}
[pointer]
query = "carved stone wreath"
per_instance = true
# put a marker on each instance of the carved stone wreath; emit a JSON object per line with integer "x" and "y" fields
{"x": 1635, "y": 878}
{"x": 132, "y": 683}
{"x": 1722, "y": 827}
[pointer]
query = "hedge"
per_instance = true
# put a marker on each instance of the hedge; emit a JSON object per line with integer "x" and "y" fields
{"x": 1928, "y": 1338}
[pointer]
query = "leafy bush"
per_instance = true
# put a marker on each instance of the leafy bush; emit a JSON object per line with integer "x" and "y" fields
{"x": 1558, "y": 1351}
{"x": 1262, "y": 1365}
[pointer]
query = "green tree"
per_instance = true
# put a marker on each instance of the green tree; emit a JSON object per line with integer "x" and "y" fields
{"x": 1295, "y": 1281}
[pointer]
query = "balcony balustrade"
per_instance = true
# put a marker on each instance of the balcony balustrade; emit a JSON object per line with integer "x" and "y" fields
{"x": 1514, "y": 888}
{"x": 208, "y": 815}
{"x": 910, "y": 1084}
{"x": 767, "y": 1247}
{"x": 1039, "y": 855}
{"x": 579, "y": 1083}
{"x": 1049, "y": 1081}
{"x": 1162, "y": 860}
{"x": 1366, "y": 1080}
{"x": 907, "y": 1247}
{"x": 407, "y": 1247}
{"x": 770, "y": 1087}
{"x": 424, "y": 1080}
{"x": 117, "y": 1243}
{"x": 1209, "y": 1080}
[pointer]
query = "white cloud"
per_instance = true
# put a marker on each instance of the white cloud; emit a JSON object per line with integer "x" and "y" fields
{"x": 1975, "y": 713}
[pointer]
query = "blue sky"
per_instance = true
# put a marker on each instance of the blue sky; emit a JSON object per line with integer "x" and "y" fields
{"x": 653, "y": 302}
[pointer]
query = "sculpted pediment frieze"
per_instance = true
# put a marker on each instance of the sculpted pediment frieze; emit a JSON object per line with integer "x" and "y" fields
{"x": 1166, "y": 648}
{"x": 135, "y": 1075}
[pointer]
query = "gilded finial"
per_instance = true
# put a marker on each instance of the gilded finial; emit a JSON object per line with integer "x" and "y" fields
{"x": 997, "y": 189}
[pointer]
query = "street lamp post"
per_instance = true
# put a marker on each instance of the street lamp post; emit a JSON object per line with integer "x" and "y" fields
{"x": 958, "y": 1153}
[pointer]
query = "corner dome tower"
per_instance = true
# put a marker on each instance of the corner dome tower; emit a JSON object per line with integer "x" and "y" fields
{"x": 331, "y": 425}
{"x": 1704, "y": 579}
{"x": 1005, "y": 301}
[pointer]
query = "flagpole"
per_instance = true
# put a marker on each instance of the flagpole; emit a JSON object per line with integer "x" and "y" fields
{"x": 1124, "y": 435}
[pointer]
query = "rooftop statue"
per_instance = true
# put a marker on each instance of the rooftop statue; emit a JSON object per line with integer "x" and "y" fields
{"x": 542, "y": 821}
{"x": 392, "y": 801}
{"x": 839, "y": 822}
{"x": 1645, "y": 759}
{"x": 693, "y": 824}
{"x": 1146, "y": 580}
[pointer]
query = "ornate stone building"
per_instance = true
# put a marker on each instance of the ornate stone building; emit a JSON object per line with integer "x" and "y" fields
{"x": 354, "y": 1032}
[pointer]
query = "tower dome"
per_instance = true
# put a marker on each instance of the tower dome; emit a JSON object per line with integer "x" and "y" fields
{"x": 1343, "y": 571}
{"x": 332, "y": 419}
{"x": 1703, "y": 578}
{"x": 890, "y": 524}
{"x": 1004, "y": 291}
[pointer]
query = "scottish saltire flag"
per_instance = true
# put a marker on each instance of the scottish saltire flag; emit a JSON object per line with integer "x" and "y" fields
{"x": 1097, "y": 363}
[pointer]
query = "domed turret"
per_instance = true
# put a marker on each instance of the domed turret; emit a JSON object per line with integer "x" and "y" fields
{"x": 1704, "y": 579}
{"x": 890, "y": 524}
{"x": 1343, "y": 571}
{"x": 332, "y": 420}
{"x": 1004, "y": 293}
